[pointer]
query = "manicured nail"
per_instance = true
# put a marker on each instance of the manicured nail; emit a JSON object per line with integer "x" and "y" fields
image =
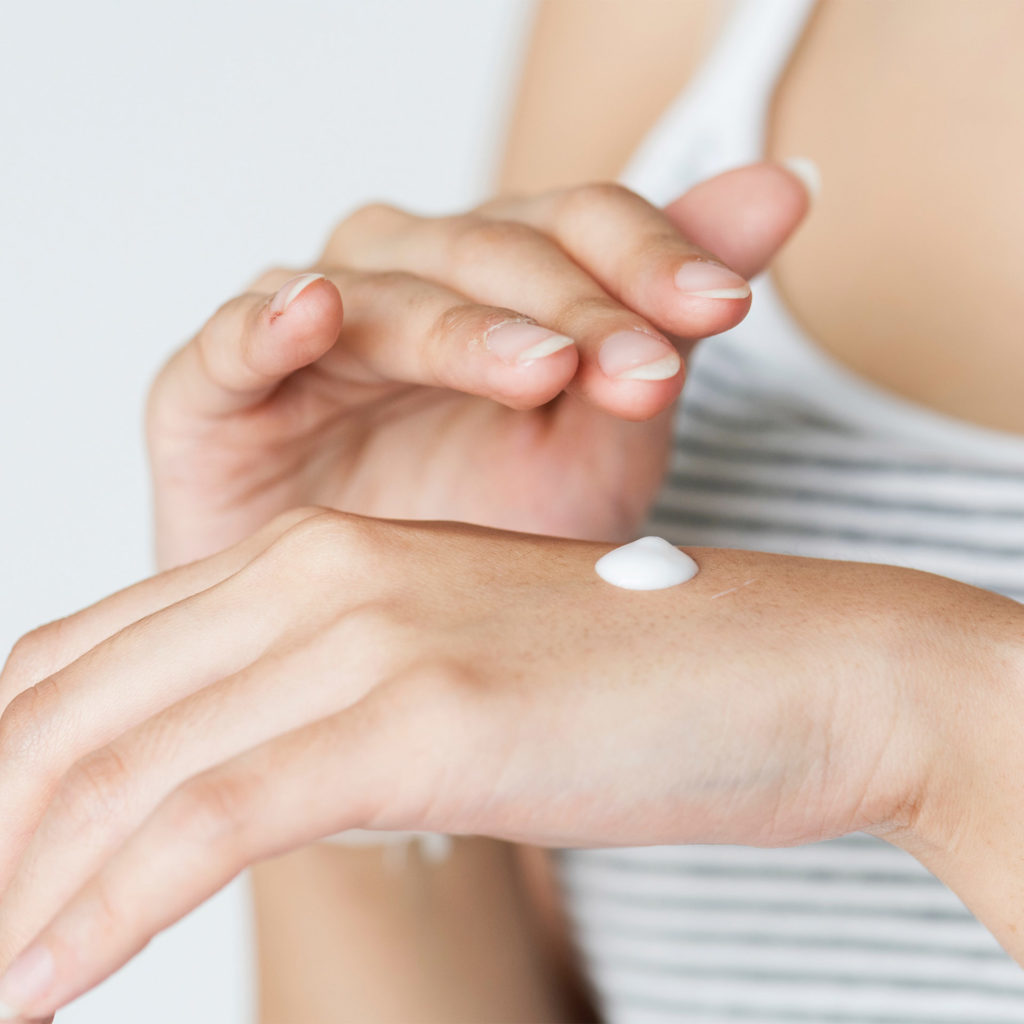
{"x": 633, "y": 355}
{"x": 710, "y": 280}
{"x": 518, "y": 342}
{"x": 27, "y": 980}
{"x": 807, "y": 171}
{"x": 291, "y": 291}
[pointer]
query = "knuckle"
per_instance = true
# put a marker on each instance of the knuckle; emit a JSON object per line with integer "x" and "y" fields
{"x": 214, "y": 808}
{"x": 363, "y": 223}
{"x": 293, "y": 517}
{"x": 595, "y": 193}
{"x": 33, "y": 654}
{"x": 319, "y": 541}
{"x": 473, "y": 238}
{"x": 95, "y": 790}
{"x": 375, "y": 214}
{"x": 328, "y": 528}
{"x": 28, "y": 719}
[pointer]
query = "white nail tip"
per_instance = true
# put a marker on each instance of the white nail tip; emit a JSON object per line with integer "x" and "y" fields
{"x": 283, "y": 299}
{"x": 650, "y": 563}
{"x": 807, "y": 171}
{"x": 547, "y": 347}
{"x": 300, "y": 285}
{"x": 660, "y": 369}
{"x": 723, "y": 293}
{"x": 8, "y": 1012}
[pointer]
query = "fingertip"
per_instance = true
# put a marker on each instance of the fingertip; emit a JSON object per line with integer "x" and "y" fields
{"x": 302, "y": 323}
{"x": 695, "y": 297}
{"x": 636, "y": 355}
{"x": 694, "y": 316}
{"x": 744, "y": 215}
{"x": 638, "y": 401}
{"x": 289, "y": 292}
{"x": 633, "y": 396}
{"x": 306, "y": 301}
{"x": 533, "y": 382}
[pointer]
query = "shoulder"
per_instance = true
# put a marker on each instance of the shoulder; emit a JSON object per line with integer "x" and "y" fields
{"x": 596, "y": 76}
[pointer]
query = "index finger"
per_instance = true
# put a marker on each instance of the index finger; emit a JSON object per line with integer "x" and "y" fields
{"x": 670, "y": 265}
{"x": 636, "y": 254}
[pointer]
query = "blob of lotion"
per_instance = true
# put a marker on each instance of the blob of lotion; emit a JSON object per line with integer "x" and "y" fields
{"x": 649, "y": 563}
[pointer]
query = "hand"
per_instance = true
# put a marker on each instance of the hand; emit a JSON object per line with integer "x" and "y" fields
{"x": 412, "y": 403}
{"x": 335, "y": 672}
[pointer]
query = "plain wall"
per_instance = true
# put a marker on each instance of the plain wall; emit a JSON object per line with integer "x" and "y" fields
{"x": 153, "y": 158}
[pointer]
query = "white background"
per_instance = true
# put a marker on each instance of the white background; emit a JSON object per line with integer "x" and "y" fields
{"x": 153, "y": 158}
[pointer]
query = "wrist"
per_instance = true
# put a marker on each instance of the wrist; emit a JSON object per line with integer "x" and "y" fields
{"x": 967, "y": 825}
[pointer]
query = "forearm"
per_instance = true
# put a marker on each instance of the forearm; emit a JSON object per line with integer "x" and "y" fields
{"x": 348, "y": 934}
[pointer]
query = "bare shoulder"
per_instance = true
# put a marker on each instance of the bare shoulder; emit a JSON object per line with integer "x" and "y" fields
{"x": 596, "y": 77}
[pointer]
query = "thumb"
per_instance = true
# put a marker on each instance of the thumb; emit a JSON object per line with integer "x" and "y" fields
{"x": 745, "y": 215}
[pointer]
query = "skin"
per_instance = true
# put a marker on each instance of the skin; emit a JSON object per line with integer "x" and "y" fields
{"x": 376, "y": 388}
{"x": 967, "y": 841}
{"x": 912, "y": 207}
{"x": 860, "y": 277}
{"x": 359, "y": 440}
{"x": 123, "y": 820}
{"x": 863, "y": 277}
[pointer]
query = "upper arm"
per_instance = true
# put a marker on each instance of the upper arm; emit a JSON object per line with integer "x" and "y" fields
{"x": 596, "y": 77}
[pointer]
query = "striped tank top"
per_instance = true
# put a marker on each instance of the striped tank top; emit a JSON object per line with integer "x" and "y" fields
{"x": 779, "y": 448}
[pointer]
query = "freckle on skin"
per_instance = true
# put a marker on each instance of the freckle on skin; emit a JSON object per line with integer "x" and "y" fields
{"x": 732, "y": 590}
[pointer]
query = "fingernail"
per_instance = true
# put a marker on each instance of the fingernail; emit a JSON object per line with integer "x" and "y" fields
{"x": 27, "y": 980}
{"x": 633, "y": 355}
{"x": 518, "y": 342}
{"x": 807, "y": 171}
{"x": 291, "y": 291}
{"x": 710, "y": 280}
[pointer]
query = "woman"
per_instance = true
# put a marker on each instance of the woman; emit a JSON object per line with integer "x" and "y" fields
{"x": 329, "y": 671}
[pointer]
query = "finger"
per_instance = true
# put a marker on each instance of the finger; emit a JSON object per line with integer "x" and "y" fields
{"x": 603, "y": 265}
{"x": 107, "y": 794}
{"x": 638, "y": 255}
{"x": 744, "y": 216}
{"x": 627, "y": 366}
{"x": 49, "y": 648}
{"x": 398, "y": 329}
{"x": 404, "y": 329}
{"x": 124, "y": 680}
{"x": 249, "y": 346}
{"x": 334, "y": 775}
{"x": 739, "y": 218}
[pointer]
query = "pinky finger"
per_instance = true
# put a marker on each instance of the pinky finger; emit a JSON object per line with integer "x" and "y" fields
{"x": 334, "y": 775}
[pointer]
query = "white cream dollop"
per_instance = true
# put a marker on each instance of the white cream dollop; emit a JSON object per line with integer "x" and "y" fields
{"x": 649, "y": 563}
